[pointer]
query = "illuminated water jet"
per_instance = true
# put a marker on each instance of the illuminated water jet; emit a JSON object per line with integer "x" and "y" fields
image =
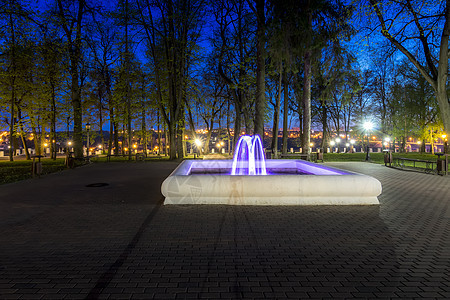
{"x": 249, "y": 157}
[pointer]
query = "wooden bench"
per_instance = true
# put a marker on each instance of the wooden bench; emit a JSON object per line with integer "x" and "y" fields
{"x": 415, "y": 164}
{"x": 313, "y": 156}
{"x": 108, "y": 156}
{"x": 295, "y": 155}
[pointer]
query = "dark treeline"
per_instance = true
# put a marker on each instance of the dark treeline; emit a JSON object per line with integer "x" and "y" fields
{"x": 144, "y": 68}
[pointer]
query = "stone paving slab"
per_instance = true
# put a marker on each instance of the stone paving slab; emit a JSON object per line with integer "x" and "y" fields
{"x": 62, "y": 240}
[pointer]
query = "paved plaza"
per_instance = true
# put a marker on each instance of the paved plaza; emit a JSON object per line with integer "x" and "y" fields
{"x": 63, "y": 239}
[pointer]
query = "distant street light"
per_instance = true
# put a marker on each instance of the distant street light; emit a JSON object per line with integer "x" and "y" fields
{"x": 338, "y": 140}
{"x": 332, "y": 143}
{"x": 368, "y": 126}
{"x": 198, "y": 143}
{"x": 387, "y": 143}
{"x": 444, "y": 137}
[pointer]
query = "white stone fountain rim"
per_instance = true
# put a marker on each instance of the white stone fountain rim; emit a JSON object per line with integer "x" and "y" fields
{"x": 329, "y": 186}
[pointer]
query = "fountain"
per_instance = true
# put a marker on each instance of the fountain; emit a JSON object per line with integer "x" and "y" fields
{"x": 249, "y": 179}
{"x": 249, "y": 157}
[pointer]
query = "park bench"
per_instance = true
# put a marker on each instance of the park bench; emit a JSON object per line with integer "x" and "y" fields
{"x": 295, "y": 155}
{"x": 108, "y": 156}
{"x": 427, "y": 166}
{"x": 313, "y": 156}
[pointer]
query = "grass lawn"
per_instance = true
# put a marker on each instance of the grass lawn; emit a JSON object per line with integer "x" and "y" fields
{"x": 11, "y": 171}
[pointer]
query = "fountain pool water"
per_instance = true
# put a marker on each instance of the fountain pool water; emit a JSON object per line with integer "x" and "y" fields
{"x": 241, "y": 181}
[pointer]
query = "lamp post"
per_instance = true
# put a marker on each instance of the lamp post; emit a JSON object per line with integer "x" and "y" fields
{"x": 332, "y": 145}
{"x": 88, "y": 128}
{"x": 368, "y": 127}
{"x": 352, "y": 142}
{"x": 338, "y": 140}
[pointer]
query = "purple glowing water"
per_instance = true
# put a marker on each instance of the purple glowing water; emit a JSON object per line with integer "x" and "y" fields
{"x": 249, "y": 157}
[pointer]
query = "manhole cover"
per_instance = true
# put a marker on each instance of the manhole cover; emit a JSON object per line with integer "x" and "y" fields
{"x": 98, "y": 184}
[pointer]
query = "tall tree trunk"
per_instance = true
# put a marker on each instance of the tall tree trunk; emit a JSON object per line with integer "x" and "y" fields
{"x": 53, "y": 123}
{"x": 325, "y": 133}
{"x": 13, "y": 88}
{"x": 100, "y": 121}
{"x": 144, "y": 131}
{"x": 306, "y": 103}
{"x": 23, "y": 134}
{"x": 260, "y": 101}
{"x": 441, "y": 90}
{"x": 276, "y": 115}
{"x": 285, "y": 112}
{"x": 74, "y": 50}
{"x": 11, "y": 124}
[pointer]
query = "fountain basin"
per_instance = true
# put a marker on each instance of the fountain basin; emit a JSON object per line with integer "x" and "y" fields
{"x": 289, "y": 182}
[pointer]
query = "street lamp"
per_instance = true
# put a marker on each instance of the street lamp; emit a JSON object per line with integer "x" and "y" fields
{"x": 332, "y": 145}
{"x": 88, "y": 128}
{"x": 368, "y": 127}
{"x": 338, "y": 140}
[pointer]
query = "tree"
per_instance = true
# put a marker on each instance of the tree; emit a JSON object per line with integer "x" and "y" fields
{"x": 260, "y": 101}
{"x": 71, "y": 14}
{"x": 404, "y": 21}
{"x": 236, "y": 60}
{"x": 15, "y": 17}
{"x": 314, "y": 24}
{"x": 171, "y": 40}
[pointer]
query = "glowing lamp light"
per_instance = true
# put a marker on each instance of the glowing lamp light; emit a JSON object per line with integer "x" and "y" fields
{"x": 338, "y": 140}
{"x": 69, "y": 143}
{"x": 134, "y": 146}
{"x": 368, "y": 126}
{"x": 311, "y": 144}
{"x": 444, "y": 136}
{"x": 419, "y": 142}
{"x": 45, "y": 144}
{"x": 198, "y": 142}
{"x": 347, "y": 144}
{"x": 100, "y": 146}
{"x": 352, "y": 142}
{"x": 387, "y": 139}
{"x": 126, "y": 149}
{"x": 332, "y": 143}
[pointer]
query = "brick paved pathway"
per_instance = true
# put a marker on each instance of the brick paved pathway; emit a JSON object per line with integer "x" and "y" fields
{"x": 62, "y": 240}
